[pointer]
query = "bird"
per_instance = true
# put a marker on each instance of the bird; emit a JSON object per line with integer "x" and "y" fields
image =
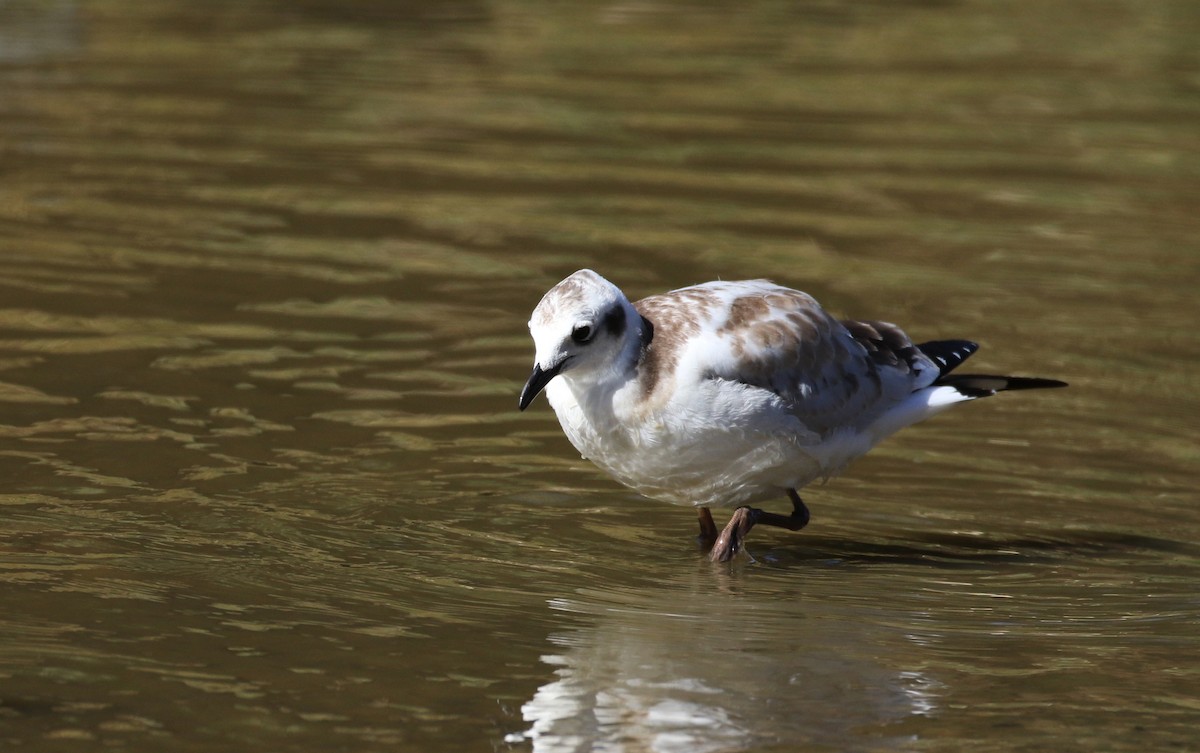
{"x": 726, "y": 394}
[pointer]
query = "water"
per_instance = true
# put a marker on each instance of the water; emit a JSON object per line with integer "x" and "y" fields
{"x": 264, "y": 273}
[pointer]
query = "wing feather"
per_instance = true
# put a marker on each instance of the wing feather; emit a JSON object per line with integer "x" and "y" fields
{"x": 828, "y": 373}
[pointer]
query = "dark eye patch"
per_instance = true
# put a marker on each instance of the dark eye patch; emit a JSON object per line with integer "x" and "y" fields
{"x": 614, "y": 321}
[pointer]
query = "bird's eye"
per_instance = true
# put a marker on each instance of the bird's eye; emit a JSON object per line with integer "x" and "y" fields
{"x": 581, "y": 334}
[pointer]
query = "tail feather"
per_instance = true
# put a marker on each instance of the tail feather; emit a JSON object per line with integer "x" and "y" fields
{"x": 985, "y": 385}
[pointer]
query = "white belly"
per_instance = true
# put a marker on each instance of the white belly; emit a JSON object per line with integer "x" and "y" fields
{"x": 718, "y": 450}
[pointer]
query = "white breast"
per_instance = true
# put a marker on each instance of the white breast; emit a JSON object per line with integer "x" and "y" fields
{"x": 718, "y": 444}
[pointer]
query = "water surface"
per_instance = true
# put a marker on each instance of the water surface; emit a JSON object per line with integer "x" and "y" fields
{"x": 264, "y": 273}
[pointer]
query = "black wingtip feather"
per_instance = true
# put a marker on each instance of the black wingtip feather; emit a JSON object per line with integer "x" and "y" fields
{"x": 985, "y": 385}
{"x": 948, "y": 354}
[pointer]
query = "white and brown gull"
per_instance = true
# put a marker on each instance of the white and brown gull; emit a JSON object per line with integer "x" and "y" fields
{"x": 726, "y": 394}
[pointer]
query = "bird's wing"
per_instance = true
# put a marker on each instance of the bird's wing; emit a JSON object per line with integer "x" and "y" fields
{"x": 827, "y": 373}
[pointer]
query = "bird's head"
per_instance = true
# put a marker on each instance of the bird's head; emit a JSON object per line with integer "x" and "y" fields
{"x": 580, "y": 327}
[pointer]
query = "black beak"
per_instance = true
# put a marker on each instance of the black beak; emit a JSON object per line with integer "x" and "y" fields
{"x": 537, "y": 380}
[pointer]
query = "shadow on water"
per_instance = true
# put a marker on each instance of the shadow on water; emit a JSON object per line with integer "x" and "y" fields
{"x": 957, "y": 551}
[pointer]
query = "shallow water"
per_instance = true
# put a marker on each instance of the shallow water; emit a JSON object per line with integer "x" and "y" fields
{"x": 264, "y": 273}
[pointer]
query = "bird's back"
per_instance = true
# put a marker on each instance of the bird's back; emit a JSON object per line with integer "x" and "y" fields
{"x": 829, "y": 374}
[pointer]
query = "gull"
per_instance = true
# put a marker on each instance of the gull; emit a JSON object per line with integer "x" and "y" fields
{"x": 726, "y": 394}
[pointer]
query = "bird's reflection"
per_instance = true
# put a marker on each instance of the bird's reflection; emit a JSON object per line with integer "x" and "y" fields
{"x": 675, "y": 668}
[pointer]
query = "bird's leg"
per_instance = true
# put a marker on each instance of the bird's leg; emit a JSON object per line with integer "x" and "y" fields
{"x": 729, "y": 543}
{"x": 794, "y": 522}
{"x": 708, "y": 529}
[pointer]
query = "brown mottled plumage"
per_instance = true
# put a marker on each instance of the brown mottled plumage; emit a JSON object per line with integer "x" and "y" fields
{"x": 728, "y": 393}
